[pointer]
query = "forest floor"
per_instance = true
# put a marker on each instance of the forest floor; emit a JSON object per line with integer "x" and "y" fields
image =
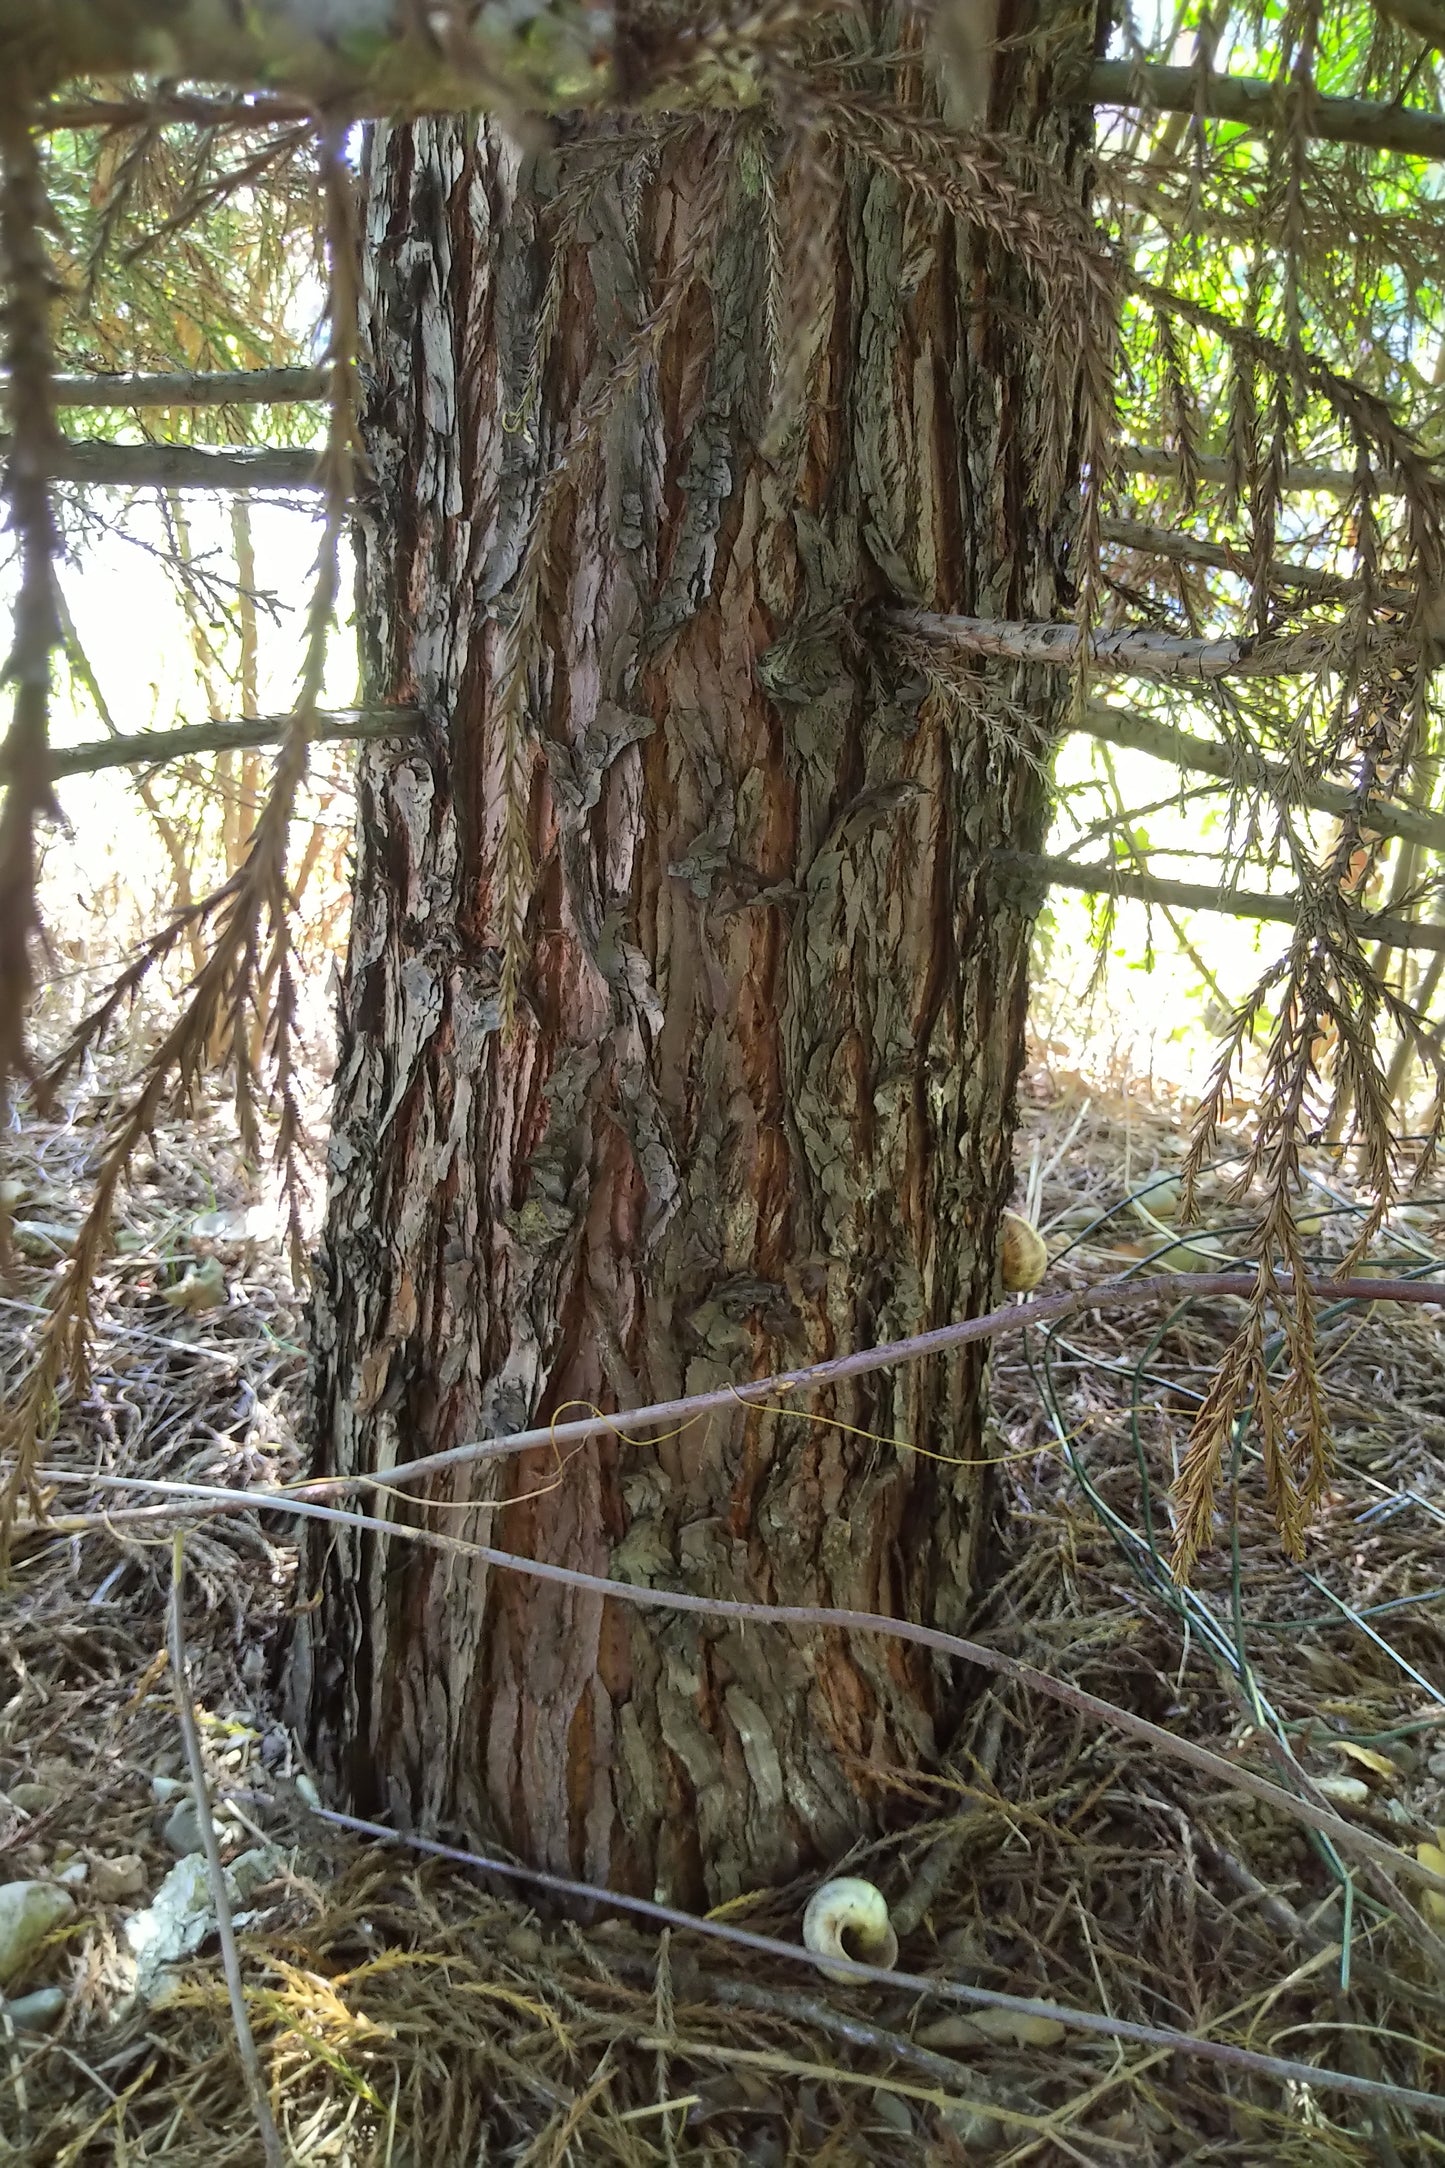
{"x": 407, "y": 2010}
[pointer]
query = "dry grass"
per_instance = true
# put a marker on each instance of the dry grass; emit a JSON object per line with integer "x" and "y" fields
{"x": 406, "y": 2013}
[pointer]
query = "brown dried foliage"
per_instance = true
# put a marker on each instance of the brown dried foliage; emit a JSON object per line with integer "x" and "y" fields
{"x": 246, "y": 925}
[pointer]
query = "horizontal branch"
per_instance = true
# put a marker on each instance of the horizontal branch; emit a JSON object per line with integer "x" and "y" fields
{"x": 152, "y": 748}
{"x": 267, "y": 466}
{"x": 1245, "y": 768}
{"x": 1189, "y": 549}
{"x": 834, "y": 1369}
{"x": 1304, "y": 480}
{"x": 305, "y": 1500}
{"x": 1130, "y": 653}
{"x": 1258, "y": 104}
{"x": 1197, "y": 896}
{"x": 295, "y": 74}
{"x": 165, "y": 107}
{"x": 350, "y": 57}
{"x": 183, "y": 466}
{"x": 189, "y": 388}
{"x": 1124, "y": 727}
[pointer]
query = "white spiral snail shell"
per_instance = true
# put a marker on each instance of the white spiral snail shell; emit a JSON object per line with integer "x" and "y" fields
{"x": 848, "y": 1917}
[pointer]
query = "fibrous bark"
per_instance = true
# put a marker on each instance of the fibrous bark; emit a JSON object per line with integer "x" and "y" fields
{"x": 757, "y": 1103}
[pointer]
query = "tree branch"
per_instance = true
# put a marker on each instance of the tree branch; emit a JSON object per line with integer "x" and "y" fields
{"x": 1303, "y": 480}
{"x": 171, "y": 107}
{"x": 151, "y": 748}
{"x": 215, "y": 1871}
{"x": 1246, "y": 768}
{"x": 1424, "y": 18}
{"x": 222, "y": 467}
{"x": 191, "y": 388}
{"x": 1133, "y": 652}
{"x": 348, "y": 57}
{"x": 1124, "y": 727}
{"x": 548, "y": 60}
{"x": 1259, "y": 104}
{"x": 1189, "y": 549}
{"x": 183, "y": 466}
{"x": 1196, "y": 896}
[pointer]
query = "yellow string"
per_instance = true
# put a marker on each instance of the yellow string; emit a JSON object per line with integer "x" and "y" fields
{"x": 903, "y": 1445}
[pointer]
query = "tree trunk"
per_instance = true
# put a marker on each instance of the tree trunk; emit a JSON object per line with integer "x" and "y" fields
{"x": 757, "y": 1104}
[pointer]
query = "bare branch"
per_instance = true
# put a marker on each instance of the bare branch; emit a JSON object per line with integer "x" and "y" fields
{"x": 24, "y": 216}
{"x": 783, "y": 1384}
{"x": 183, "y": 466}
{"x": 1189, "y": 549}
{"x": 193, "y": 388}
{"x": 170, "y": 107}
{"x": 1303, "y": 480}
{"x": 1196, "y": 896}
{"x": 914, "y": 1984}
{"x": 151, "y": 748}
{"x": 503, "y": 69}
{"x": 1132, "y": 652}
{"x": 215, "y": 1871}
{"x": 203, "y": 466}
{"x": 1245, "y": 767}
{"x": 1258, "y": 104}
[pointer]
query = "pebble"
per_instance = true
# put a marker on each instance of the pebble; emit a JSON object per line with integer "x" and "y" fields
{"x": 183, "y": 1829}
{"x": 115, "y": 1879}
{"x": 37, "y": 2012}
{"x": 252, "y": 1869}
{"x": 28, "y": 1912}
{"x": 33, "y": 1798}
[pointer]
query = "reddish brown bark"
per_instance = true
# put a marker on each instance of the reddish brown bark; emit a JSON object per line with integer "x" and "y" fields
{"x": 757, "y": 1106}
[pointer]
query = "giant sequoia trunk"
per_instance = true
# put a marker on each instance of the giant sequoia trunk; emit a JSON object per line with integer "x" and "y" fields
{"x": 756, "y": 1105}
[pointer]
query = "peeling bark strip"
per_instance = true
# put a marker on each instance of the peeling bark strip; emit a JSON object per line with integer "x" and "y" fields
{"x": 758, "y": 1104}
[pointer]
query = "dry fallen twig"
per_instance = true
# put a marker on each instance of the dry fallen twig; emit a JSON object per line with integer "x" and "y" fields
{"x": 215, "y": 1872}
{"x": 1091, "y": 2021}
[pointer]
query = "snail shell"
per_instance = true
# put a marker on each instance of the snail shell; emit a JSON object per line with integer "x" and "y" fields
{"x": 849, "y": 1918}
{"x": 1025, "y": 1254}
